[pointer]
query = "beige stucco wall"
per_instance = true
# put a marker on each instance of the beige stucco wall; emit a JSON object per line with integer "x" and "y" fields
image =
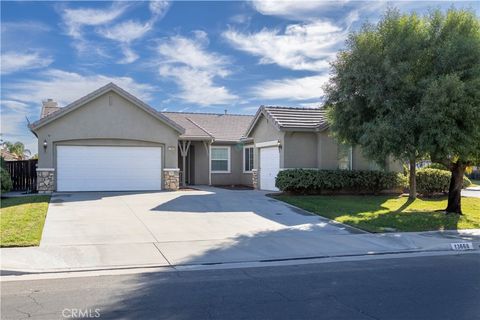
{"x": 300, "y": 150}
{"x": 326, "y": 151}
{"x": 265, "y": 131}
{"x": 310, "y": 150}
{"x": 99, "y": 123}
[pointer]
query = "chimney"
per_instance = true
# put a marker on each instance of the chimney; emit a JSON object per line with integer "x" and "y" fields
{"x": 48, "y": 106}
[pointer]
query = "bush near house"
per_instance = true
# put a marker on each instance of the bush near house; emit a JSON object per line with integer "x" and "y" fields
{"x": 431, "y": 181}
{"x": 5, "y": 180}
{"x": 318, "y": 181}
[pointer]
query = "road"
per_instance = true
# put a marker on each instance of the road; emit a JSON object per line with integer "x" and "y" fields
{"x": 440, "y": 287}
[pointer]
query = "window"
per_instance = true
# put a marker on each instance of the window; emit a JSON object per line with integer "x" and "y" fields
{"x": 248, "y": 159}
{"x": 344, "y": 156}
{"x": 220, "y": 159}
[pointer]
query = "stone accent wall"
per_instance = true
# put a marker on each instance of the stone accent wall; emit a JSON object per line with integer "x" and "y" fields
{"x": 45, "y": 181}
{"x": 171, "y": 179}
{"x": 255, "y": 178}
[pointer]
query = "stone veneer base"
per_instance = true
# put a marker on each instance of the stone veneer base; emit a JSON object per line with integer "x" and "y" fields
{"x": 255, "y": 178}
{"x": 171, "y": 179}
{"x": 45, "y": 180}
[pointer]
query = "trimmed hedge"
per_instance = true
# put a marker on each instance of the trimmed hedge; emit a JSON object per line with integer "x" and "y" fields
{"x": 430, "y": 181}
{"x": 318, "y": 181}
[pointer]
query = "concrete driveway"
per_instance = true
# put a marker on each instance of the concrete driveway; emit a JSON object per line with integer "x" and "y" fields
{"x": 85, "y": 231}
{"x": 207, "y": 214}
{"x": 210, "y": 225}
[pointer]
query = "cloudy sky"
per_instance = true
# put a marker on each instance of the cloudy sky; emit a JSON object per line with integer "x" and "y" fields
{"x": 176, "y": 56}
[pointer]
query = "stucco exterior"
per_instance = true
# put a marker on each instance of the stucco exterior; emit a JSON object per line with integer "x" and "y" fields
{"x": 265, "y": 131}
{"x": 107, "y": 120}
{"x": 308, "y": 149}
{"x": 111, "y": 116}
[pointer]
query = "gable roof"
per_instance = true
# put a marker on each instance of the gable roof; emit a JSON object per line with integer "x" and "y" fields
{"x": 292, "y": 119}
{"x": 219, "y": 127}
{"x": 97, "y": 93}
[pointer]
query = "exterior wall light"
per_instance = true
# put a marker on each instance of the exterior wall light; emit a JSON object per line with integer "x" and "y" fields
{"x": 45, "y": 145}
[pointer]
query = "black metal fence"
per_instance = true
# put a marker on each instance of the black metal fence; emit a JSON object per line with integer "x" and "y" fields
{"x": 23, "y": 174}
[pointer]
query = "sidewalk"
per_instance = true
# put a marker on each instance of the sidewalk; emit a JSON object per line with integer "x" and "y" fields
{"x": 234, "y": 250}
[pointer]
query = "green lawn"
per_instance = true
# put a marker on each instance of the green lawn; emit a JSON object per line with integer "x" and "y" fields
{"x": 21, "y": 220}
{"x": 374, "y": 213}
{"x": 475, "y": 183}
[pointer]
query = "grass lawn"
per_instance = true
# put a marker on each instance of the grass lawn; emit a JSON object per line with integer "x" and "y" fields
{"x": 21, "y": 220}
{"x": 475, "y": 183}
{"x": 374, "y": 213}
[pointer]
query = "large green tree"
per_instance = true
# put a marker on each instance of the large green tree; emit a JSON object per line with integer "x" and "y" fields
{"x": 450, "y": 106}
{"x": 375, "y": 91}
{"x": 409, "y": 87}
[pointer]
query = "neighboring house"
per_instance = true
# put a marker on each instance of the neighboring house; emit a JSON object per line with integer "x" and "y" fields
{"x": 7, "y": 156}
{"x": 110, "y": 140}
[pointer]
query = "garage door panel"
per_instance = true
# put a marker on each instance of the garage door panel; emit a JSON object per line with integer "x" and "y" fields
{"x": 89, "y": 168}
{"x": 269, "y": 167}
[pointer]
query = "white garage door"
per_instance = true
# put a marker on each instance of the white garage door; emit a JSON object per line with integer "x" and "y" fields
{"x": 88, "y": 168}
{"x": 269, "y": 167}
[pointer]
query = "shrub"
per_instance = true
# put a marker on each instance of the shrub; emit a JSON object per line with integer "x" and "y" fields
{"x": 5, "y": 180}
{"x": 317, "y": 181}
{"x": 430, "y": 181}
{"x": 438, "y": 166}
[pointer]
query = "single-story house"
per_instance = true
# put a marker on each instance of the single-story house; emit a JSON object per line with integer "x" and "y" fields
{"x": 110, "y": 140}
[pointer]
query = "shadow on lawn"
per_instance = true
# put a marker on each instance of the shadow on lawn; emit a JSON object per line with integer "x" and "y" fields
{"x": 18, "y": 201}
{"x": 376, "y": 214}
{"x": 405, "y": 218}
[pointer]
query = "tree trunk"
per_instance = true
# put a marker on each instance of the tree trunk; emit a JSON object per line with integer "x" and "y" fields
{"x": 455, "y": 189}
{"x": 412, "y": 179}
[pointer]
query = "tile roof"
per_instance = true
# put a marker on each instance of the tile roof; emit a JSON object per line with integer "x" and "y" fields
{"x": 297, "y": 118}
{"x": 222, "y": 127}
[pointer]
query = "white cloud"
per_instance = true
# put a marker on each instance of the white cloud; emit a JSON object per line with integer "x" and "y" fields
{"x": 13, "y": 124}
{"x": 128, "y": 31}
{"x": 65, "y": 87}
{"x": 158, "y": 8}
{"x": 197, "y": 86}
{"x": 76, "y": 19}
{"x": 307, "y": 88}
{"x": 193, "y": 68}
{"x": 14, "y": 105}
{"x": 14, "y": 61}
{"x": 295, "y": 9}
{"x": 307, "y": 46}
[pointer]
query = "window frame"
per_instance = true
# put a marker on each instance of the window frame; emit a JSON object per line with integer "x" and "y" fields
{"x": 252, "y": 154}
{"x": 228, "y": 159}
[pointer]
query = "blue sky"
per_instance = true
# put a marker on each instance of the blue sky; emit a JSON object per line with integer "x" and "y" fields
{"x": 176, "y": 56}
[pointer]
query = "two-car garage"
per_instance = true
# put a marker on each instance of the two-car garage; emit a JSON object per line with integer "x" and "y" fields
{"x": 106, "y": 141}
{"x": 108, "y": 168}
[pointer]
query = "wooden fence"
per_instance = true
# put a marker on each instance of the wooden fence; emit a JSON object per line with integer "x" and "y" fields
{"x": 23, "y": 174}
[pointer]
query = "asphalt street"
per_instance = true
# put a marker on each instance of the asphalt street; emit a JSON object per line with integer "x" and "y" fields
{"x": 435, "y": 287}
